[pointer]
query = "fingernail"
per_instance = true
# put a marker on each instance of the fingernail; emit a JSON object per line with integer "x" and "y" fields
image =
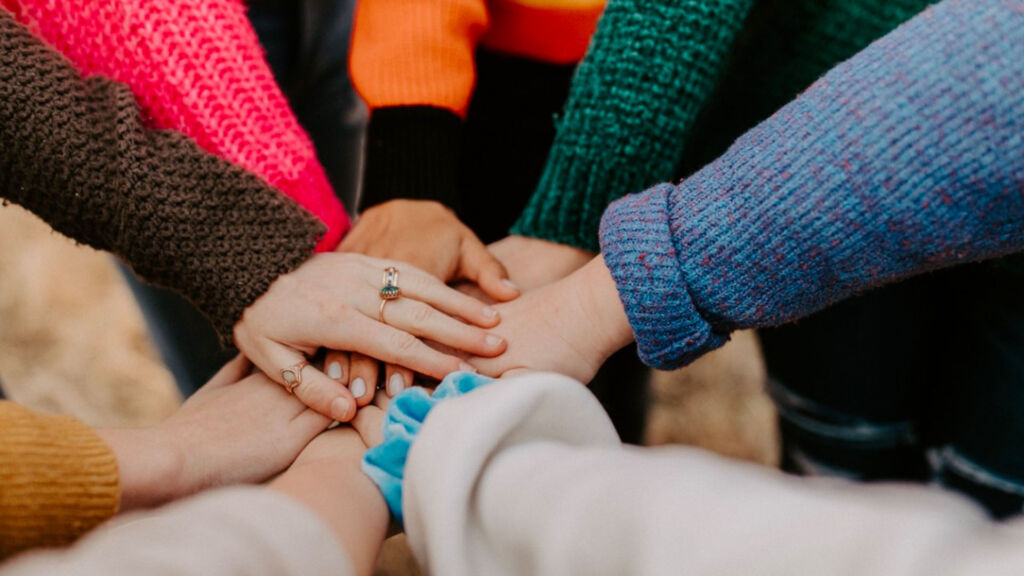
{"x": 339, "y": 409}
{"x": 467, "y": 368}
{"x": 510, "y": 284}
{"x": 490, "y": 312}
{"x": 395, "y": 384}
{"x": 494, "y": 341}
{"x": 357, "y": 387}
{"x": 334, "y": 370}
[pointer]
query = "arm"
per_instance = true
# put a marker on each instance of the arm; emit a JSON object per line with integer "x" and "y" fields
{"x": 545, "y": 488}
{"x": 77, "y": 155}
{"x": 197, "y": 68}
{"x": 904, "y": 159}
{"x": 650, "y": 68}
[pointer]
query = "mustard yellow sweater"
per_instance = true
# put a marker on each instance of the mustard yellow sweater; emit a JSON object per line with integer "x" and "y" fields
{"x": 58, "y": 479}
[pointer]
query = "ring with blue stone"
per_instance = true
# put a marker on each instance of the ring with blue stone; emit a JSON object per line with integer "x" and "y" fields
{"x": 389, "y": 290}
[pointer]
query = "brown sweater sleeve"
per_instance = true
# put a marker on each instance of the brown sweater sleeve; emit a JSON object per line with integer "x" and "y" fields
{"x": 75, "y": 152}
{"x": 58, "y": 479}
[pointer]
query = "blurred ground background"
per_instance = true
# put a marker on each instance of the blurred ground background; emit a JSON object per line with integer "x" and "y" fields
{"x": 72, "y": 341}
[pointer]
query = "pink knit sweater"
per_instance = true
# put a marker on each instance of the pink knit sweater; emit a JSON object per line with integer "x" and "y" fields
{"x": 195, "y": 66}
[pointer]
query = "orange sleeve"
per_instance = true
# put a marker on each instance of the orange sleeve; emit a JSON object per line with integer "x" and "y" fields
{"x": 416, "y": 52}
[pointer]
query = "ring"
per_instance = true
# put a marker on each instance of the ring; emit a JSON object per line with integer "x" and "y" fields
{"x": 380, "y": 311}
{"x": 292, "y": 376}
{"x": 389, "y": 285}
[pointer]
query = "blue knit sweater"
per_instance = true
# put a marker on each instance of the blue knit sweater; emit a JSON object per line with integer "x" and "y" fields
{"x": 906, "y": 158}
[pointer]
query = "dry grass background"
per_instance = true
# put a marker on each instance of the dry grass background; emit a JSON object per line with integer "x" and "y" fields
{"x": 72, "y": 341}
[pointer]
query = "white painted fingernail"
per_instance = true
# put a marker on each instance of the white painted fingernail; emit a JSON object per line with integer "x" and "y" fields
{"x": 510, "y": 284}
{"x": 467, "y": 368}
{"x": 494, "y": 341}
{"x": 490, "y": 312}
{"x": 357, "y": 387}
{"x": 395, "y": 384}
{"x": 334, "y": 370}
{"x": 339, "y": 409}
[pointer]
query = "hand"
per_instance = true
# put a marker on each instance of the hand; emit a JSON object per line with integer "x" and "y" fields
{"x": 430, "y": 236}
{"x": 328, "y": 479}
{"x": 332, "y": 301}
{"x": 532, "y": 262}
{"x": 235, "y": 429}
{"x": 570, "y": 327}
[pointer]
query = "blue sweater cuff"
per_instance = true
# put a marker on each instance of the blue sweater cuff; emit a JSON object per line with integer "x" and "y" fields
{"x": 385, "y": 463}
{"x": 636, "y": 242}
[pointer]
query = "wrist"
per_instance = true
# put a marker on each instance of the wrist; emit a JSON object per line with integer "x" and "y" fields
{"x": 604, "y": 315}
{"x": 150, "y": 466}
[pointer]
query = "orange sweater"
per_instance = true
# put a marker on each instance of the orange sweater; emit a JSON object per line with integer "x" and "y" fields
{"x": 420, "y": 52}
{"x": 58, "y": 479}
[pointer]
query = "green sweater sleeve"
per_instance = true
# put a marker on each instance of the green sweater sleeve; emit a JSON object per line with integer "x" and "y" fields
{"x": 651, "y": 66}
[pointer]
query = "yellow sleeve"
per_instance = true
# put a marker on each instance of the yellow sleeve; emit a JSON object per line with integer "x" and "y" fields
{"x": 58, "y": 479}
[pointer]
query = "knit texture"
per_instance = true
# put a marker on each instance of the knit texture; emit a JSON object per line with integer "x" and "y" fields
{"x": 907, "y": 158}
{"x": 646, "y": 92}
{"x": 195, "y": 66}
{"x": 58, "y": 479}
{"x": 75, "y": 152}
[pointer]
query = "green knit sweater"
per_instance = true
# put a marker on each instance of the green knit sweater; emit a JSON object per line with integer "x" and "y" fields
{"x": 664, "y": 76}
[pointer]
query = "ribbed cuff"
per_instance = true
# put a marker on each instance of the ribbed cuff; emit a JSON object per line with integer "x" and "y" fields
{"x": 412, "y": 152}
{"x": 59, "y": 479}
{"x": 636, "y": 242}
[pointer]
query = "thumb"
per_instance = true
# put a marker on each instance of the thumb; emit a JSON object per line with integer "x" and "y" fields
{"x": 481, "y": 267}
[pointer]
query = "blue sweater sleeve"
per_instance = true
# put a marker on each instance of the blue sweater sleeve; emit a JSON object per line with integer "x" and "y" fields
{"x": 906, "y": 158}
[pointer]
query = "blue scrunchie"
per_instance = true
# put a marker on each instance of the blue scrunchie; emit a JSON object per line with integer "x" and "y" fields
{"x": 385, "y": 463}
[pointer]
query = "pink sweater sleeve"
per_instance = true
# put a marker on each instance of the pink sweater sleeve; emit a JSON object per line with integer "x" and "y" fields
{"x": 195, "y": 66}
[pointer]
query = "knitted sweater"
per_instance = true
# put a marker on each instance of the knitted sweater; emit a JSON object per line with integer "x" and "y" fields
{"x": 907, "y": 158}
{"x": 646, "y": 92}
{"x": 76, "y": 154}
{"x": 413, "y": 63}
{"x": 195, "y": 66}
{"x": 58, "y": 479}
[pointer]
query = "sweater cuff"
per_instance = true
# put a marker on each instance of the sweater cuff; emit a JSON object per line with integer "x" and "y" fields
{"x": 636, "y": 241}
{"x": 385, "y": 463}
{"x": 58, "y": 481}
{"x": 412, "y": 152}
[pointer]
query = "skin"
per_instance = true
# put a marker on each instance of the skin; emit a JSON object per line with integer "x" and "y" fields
{"x": 571, "y": 326}
{"x": 238, "y": 428}
{"x": 332, "y": 302}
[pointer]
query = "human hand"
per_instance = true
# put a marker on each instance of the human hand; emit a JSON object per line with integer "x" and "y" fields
{"x": 532, "y": 262}
{"x": 235, "y": 429}
{"x": 429, "y": 236}
{"x": 333, "y": 301}
{"x": 571, "y": 326}
{"x": 327, "y": 478}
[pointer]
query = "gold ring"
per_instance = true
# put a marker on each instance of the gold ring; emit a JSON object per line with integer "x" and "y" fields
{"x": 292, "y": 376}
{"x": 389, "y": 285}
{"x": 380, "y": 311}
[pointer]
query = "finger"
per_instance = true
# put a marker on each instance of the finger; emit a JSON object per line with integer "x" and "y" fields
{"x": 422, "y": 320}
{"x": 364, "y": 378}
{"x": 322, "y": 394}
{"x": 369, "y": 424}
{"x": 397, "y": 379}
{"x": 480, "y": 266}
{"x": 421, "y": 286}
{"x": 394, "y": 346}
{"x": 236, "y": 369}
{"x": 336, "y": 366}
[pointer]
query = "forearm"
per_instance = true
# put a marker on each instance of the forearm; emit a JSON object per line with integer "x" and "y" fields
{"x": 904, "y": 159}
{"x": 650, "y": 69}
{"x": 77, "y": 155}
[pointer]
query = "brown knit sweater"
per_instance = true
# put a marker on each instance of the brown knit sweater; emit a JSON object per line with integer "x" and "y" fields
{"x": 58, "y": 479}
{"x": 76, "y": 153}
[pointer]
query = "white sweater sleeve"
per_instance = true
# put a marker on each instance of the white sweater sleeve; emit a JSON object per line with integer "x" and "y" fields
{"x": 244, "y": 531}
{"x": 536, "y": 482}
